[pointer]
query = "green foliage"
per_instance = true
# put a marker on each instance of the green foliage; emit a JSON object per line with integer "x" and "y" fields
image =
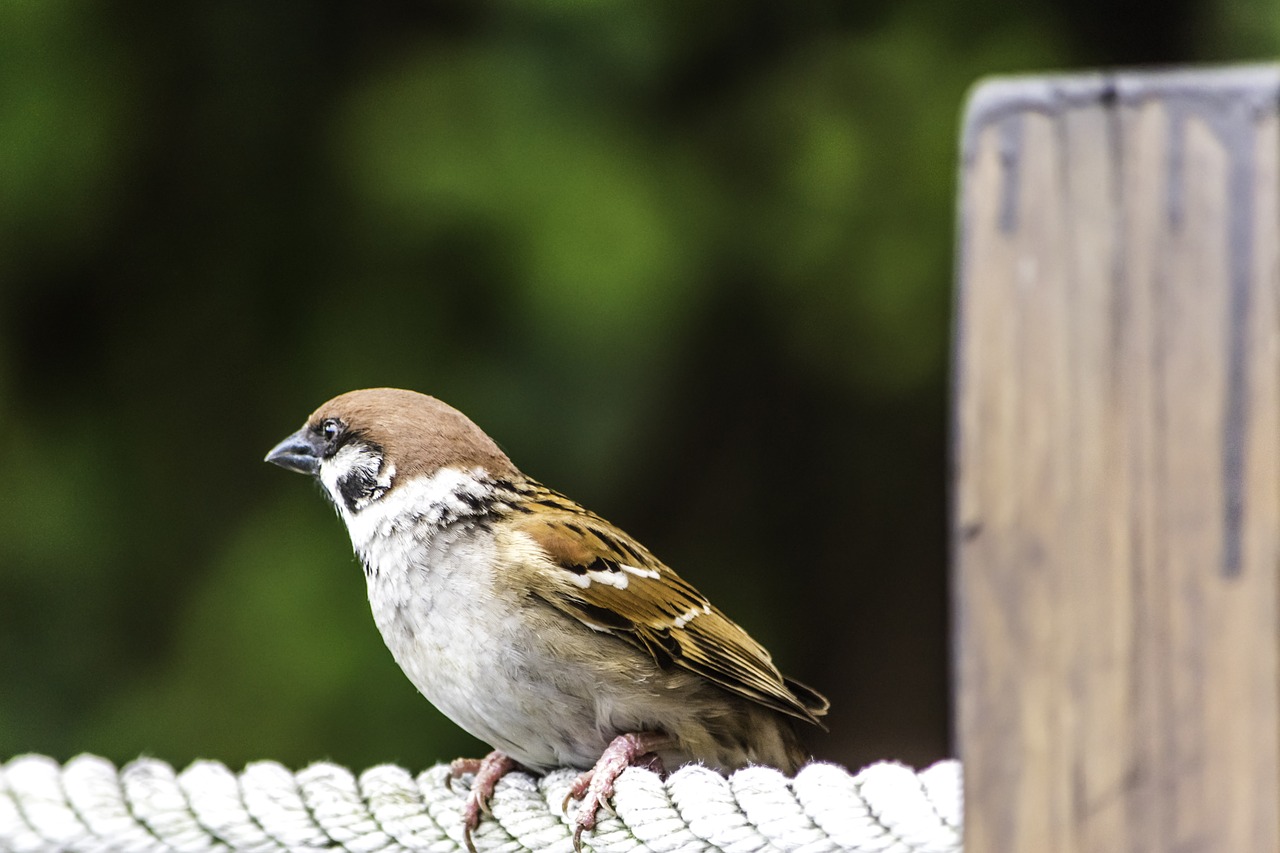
{"x": 64, "y": 107}
{"x": 689, "y": 263}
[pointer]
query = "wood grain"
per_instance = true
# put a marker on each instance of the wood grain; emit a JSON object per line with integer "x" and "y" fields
{"x": 1116, "y": 518}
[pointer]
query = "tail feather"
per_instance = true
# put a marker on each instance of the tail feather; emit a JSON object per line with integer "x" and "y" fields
{"x": 814, "y": 702}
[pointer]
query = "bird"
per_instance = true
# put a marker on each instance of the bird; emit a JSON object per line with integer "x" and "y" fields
{"x": 531, "y": 622}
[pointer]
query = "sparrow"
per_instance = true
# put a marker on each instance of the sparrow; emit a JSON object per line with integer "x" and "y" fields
{"x": 531, "y": 622}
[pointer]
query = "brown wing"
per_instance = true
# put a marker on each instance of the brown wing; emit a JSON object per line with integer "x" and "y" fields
{"x": 610, "y": 582}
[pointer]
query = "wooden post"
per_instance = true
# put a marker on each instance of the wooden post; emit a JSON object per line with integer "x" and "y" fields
{"x": 1116, "y": 517}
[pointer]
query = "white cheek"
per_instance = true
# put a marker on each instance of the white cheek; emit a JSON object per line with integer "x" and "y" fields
{"x": 348, "y": 458}
{"x": 355, "y": 457}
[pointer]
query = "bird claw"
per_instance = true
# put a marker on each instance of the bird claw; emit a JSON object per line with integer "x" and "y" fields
{"x": 606, "y": 805}
{"x": 596, "y": 800}
{"x": 488, "y": 771}
{"x": 460, "y": 767}
{"x": 595, "y": 786}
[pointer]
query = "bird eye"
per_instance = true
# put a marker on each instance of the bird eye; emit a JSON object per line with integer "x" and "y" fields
{"x": 331, "y": 429}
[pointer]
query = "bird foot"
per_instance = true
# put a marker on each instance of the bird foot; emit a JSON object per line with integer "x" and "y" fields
{"x": 595, "y": 787}
{"x": 488, "y": 771}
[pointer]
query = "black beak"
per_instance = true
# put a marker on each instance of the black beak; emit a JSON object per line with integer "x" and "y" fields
{"x": 299, "y": 452}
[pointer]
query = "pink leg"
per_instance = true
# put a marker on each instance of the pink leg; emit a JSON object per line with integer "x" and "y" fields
{"x": 595, "y": 787}
{"x": 488, "y": 771}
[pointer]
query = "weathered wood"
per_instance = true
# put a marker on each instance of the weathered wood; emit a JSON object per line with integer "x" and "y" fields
{"x": 1117, "y": 464}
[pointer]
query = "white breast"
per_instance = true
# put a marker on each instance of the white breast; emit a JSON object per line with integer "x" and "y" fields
{"x": 457, "y": 634}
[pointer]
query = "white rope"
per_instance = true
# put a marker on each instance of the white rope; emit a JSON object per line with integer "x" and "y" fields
{"x": 88, "y": 806}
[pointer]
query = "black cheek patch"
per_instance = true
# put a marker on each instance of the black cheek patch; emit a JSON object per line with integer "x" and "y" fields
{"x": 357, "y": 485}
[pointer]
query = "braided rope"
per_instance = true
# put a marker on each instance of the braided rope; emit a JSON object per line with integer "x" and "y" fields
{"x": 89, "y": 805}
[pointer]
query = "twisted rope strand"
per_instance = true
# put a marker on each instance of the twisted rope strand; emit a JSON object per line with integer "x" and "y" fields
{"x": 88, "y": 806}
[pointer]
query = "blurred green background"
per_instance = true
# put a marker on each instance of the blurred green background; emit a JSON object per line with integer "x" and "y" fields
{"x": 689, "y": 262}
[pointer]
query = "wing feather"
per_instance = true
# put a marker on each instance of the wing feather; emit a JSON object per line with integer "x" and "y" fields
{"x": 610, "y": 582}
